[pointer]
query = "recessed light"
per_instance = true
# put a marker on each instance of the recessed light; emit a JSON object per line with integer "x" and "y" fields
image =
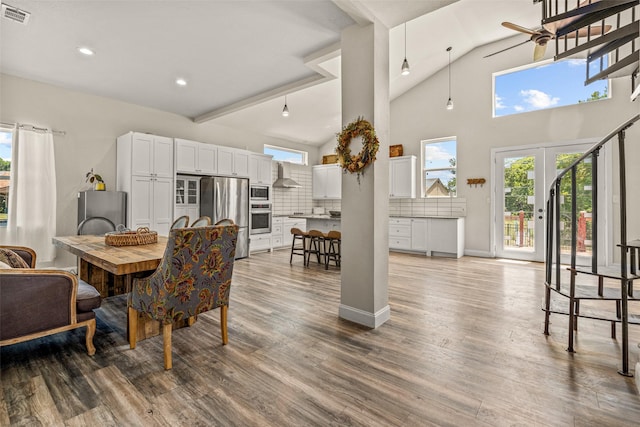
{"x": 181, "y": 82}
{"x": 86, "y": 51}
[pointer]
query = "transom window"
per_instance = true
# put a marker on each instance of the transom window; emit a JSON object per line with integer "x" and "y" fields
{"x": 281, "y": 154}
{"x": 544, "y": 85}
{"x": 5, "y": 171}
{"x": 439, "y": 160}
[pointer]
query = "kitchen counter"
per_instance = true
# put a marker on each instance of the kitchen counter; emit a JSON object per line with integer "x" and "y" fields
{"x": 316, "y": 216}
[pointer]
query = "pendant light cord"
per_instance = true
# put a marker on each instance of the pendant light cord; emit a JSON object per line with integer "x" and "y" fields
{"x": 405, "y": 40}
{"x": 449, "y": 50}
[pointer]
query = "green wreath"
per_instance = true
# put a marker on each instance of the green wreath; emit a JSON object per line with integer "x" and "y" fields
{"x": 356, "y": 164}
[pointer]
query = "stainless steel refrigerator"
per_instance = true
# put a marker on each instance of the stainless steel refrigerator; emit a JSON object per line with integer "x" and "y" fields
{"x": 222, "y": 198}
{"x": 94, "y": 205}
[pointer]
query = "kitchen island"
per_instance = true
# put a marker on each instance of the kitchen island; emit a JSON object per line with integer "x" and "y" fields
{"x": 324, "y": 223}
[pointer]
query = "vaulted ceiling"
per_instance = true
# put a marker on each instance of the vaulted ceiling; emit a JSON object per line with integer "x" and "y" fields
{"x": 240, "y": 58}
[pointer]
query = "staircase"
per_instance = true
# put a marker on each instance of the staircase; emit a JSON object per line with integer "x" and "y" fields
{"x": 610, "y": 54}
{"x": 605, "y": 291}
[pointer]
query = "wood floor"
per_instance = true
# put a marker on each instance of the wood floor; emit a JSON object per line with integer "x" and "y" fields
{"x": 464, "y": 346}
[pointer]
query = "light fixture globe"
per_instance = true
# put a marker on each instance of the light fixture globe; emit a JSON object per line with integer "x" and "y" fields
{"x": 405, "y": 67}
{"x": 285, "y": 110}
{"x": 449, "y": 104}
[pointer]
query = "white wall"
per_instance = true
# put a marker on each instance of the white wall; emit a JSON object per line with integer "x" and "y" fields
{"x": 92, "y": 125}
{"x": 420, "y": 114}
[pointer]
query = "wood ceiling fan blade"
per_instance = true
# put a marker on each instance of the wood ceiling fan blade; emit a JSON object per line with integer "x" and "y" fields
{"x": 538, "y": 52}
{"x": 595, "y": 31}
{"x": 510, "y": 47}
{"x": 519, "y": 28}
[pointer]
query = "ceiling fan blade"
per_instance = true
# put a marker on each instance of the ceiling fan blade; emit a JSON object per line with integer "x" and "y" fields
{"x": 510, "y": 47}
{"x": 538, "y": 52}
{"x": 595, "y": 31}
{"x": 515, "y": 27}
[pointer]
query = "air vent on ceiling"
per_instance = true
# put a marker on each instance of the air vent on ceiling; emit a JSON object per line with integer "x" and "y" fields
{"x": 15, "y": 14}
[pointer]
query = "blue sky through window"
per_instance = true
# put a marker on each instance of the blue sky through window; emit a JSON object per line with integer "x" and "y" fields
{"x": 285, "y": 155}
{"x": 5, "y": 145}
{"x": 544, "y": 86}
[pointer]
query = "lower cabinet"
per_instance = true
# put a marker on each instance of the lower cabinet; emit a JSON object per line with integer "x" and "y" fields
{"x": 431, "y": 236}
{"x": 281, "y": 236}
{"x": 260, "y": 242}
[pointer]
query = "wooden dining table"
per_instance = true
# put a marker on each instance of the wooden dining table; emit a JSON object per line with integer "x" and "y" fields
{"x": 111, "y": 270}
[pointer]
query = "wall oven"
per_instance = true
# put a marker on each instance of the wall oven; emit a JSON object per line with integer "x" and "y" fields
{"x": 260, "y": 218}
{"x": 260, "y": 193}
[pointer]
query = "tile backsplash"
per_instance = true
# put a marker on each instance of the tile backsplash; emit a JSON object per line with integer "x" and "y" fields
{"x": 437, "y": 206}
{"x": 286, "y": 201}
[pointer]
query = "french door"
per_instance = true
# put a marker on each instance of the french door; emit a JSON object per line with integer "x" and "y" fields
{"x": 523, "y": 178}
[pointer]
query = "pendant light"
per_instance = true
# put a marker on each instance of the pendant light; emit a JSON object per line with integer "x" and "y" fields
{"x": 285, "y": 110}
{"x": 405, "y": 63}
{"x": 449, "y": 102}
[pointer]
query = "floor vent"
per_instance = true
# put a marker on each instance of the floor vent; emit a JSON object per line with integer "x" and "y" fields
{"x": 15, "y": 14}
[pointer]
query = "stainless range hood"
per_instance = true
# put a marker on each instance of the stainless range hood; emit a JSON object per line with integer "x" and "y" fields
{"x": 284, "y": 177}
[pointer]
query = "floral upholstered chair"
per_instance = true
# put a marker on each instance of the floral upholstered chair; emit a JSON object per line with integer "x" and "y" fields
{"x": 194, "y": 276}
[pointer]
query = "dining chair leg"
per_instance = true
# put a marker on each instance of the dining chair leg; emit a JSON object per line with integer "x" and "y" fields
{"x": 133, "y": 327}
{"x": 91, "y": 330}
{"x": 166, "y": 345}
{"x": 223, "y": 324}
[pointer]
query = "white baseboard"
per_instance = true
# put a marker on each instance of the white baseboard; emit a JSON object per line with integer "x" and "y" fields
{"x": 481, "y": 254}
{"x": 361, "y": 317}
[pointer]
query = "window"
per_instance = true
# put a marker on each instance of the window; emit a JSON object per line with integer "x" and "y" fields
{"x": 439, "y": 167}
{"x": 5, "y": 170}
{"x": 286, "y": 154}
{"x": 545, "y": 85}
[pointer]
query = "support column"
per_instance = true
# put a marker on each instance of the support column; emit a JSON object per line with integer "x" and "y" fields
{"x": 364, "y": 295}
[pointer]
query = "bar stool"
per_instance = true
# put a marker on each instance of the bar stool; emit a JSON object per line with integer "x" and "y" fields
{"x": 316, "y": 246}
{"x": 302, "y": 237}
{"x": 333, "y": 239}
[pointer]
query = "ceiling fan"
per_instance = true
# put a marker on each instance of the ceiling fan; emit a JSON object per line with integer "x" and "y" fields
{"x": 542, "y": 36}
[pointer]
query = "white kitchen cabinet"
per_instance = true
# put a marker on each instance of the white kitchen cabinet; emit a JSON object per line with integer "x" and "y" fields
{"x": 446, "y": 237}
{"x": 281, "y": 236}
{"x": 327, "y": 181}
{"x": 260, "y": 169}
{"x": 400, "y": 233}
{"x": 402, "y": 177}
{"x": 144, "y": 170}
{"x": 419, "y": 230}
{"x": 233, "y": 162}
{"x": 435, "y": 236}
{"x": 187, "y": 197}
{"x": 288, "y": 224}
{"x": 260, "y": 242}
{"x": 196, "y": 157}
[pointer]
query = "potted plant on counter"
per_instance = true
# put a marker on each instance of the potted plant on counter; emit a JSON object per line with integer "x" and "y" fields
{"x": 97, "y": 179}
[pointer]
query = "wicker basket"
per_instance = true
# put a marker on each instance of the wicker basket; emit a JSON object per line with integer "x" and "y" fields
{"x": 142, "y": 236}
{"x": 329, "y": 159}
{"x": 395, "y": 150}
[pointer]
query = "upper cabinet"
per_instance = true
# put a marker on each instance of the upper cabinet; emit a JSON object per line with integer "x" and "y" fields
{"x": 260, "y": 169}
{"x": 149, "y": 155}
{"x": 144, "y": 170}
{"x": 233, "y": 162}
{"x": 327, "y": 181}
{"x": 196, "y": 157}
{"x": 402, "y": 177}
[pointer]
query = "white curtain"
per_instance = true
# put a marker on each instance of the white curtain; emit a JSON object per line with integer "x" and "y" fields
{"x": 32, "y": 199}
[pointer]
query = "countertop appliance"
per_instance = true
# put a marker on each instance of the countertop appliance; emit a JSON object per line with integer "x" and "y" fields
{"x": 111, "y": 205}
{"x": 222, "y": 198}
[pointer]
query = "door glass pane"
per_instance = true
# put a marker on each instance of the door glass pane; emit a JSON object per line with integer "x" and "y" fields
{"x": 519, "y": 201}
{"x": 583, "y": 204}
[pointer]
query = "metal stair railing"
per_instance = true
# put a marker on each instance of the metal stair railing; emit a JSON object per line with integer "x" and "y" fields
{"x": 553, "y": 237}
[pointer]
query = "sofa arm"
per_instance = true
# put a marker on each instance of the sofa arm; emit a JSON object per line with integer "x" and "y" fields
{"x": 33, "y": 300}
